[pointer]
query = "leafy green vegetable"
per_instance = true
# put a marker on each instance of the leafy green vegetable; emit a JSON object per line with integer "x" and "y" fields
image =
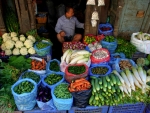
{"x": 76, "y": 69}
{"x": 54, "y": 66}
{"x": 125, "y": 47}
{"x": 20, "y": 62}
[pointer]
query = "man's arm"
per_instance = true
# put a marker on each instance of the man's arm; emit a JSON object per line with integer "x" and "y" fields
{"x": 58, "y": 26}
{"x": 78, "y": 24}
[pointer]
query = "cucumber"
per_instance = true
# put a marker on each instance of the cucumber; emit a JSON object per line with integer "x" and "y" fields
{"x": 91, "y": 99}
{"x": 113, "y": 79}
{"x": 104, "y": 89}
{"x": 113, "y": 89}
{"x": 104, "y": 82}
{"x": 96, "y": 97}
{"x": 97, "y": 86}
{"x": 100, "y": 80}
{"x": 93, "y": 86}
{"x": 107, "y": 78}
{"x": 109, "y": 85}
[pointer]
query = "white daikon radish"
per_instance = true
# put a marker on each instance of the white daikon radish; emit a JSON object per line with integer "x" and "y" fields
{"x": 83, "y": 52}
{"x": 141, "y": 73}
{"x": 84, "y": 60}
{"x": 74, "y": 61}
{"x": 117, "y": 74}
{"x": 125, "y": 79}
{"x": 125, "y": 90}
{"x": 129, "y": 90}
{"x": 65, "y": 55}
{"x": 129, "y": 76}
{"x": 136, "y": 82}
{"x": 68, "y": 56}
{"x": 136, "y": 75}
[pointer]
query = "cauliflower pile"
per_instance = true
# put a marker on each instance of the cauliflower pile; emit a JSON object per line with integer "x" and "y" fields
{"x": 17, "y": 45}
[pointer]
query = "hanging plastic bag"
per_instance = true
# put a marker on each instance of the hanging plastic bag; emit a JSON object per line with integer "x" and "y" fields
{"x": 101, "y": 3}
{"x": 90, "y": 2}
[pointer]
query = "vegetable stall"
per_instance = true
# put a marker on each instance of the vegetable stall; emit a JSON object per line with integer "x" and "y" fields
{"x": 88, "y": 77}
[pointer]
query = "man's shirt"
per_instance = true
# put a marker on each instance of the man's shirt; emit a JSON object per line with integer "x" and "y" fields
{"x": 68, "y": 25}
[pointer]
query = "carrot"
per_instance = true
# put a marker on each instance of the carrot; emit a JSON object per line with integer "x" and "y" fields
{"x": 79, "y": 80}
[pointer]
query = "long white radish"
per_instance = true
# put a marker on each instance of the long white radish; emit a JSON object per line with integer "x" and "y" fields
{"x": 137, "y": 83}
{"x": 84, "y": 60}
{"x": 129, "y": 90}
{"x": 125, "y": 89}
{"x": 65, "y": 55}
{"x": 145, "y": 76}
{"x": 117, "y": 74}
{"x": 129, "y": 76}
{"x": 136, "y": 75}
{"x": 68, "y": 56}
{"x": 148, "y": 79}
{"x": 141, "y": 73}
{"x": 83, "y": 52}
{"x": 125, "y": 79}
{"x": 74, "y": 61}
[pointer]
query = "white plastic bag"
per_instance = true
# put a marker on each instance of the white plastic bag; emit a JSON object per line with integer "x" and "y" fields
{"x": 94, "y": 23}
{"x": 101, "y": 3}
{"x": 142, "y": 46}
{"x": 95, "y": 15}
{"x": 90, "y": 2}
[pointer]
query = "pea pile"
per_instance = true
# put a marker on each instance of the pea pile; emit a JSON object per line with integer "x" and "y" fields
{"x": 32, "y": 76}
{"x": 24, "y": 87}
{"x": 41, "y": 45}
{"x": 53, "y": 78}
{"x": 54, "y": 66}
{"x": 99, "y": 70}
{"x": 109, "y": 39}
{"x": 61, "y": 91}
{"x": 76, "y": 69}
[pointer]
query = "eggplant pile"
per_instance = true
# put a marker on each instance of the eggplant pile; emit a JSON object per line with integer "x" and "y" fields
{"x": 44, "y": 94}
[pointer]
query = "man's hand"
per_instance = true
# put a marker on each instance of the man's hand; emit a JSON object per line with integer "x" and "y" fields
{"x": 62, "y": 33}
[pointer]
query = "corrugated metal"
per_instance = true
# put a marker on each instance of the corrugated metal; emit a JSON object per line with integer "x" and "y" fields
{"x": 127, "y": 18}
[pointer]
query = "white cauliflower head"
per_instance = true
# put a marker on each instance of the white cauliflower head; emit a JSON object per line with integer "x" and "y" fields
{"x": 28, "y": 43}
{"x": 5, "y": 38}
{"x": 19, "y": 44}
{"x": 13, "y": 34}
{"x": 21, "y": 35}
{"x": 9, "y": 44}
{"x": 16, "y": 51}
{"x": 5, "y": 35}
{"x": 31, "y": 50}
{"x": 3, "y": 47}
{"x": 32, "y": 38}
{"x": 22, "y": 38}
{"x": 15, "y": 38}
{"x": 23, "y": 51}
{"x": 8, "y": 52}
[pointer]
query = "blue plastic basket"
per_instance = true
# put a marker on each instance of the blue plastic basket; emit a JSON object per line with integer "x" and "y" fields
{"x": 49, "y": 63}
{"x": 147, "y": 110}
{"x": 61, "y": 104}
{"x": 109, "y": 32}
{"x": 33, "y": 72}
{"x": 97, "y": 75}
{"x": 116, "y": 66}
{"x": 127, "y": 108}
{"x": 25, "y": 101}
{"x": 52, "y": 86}
{"x": 89, "y": 109}
{"x": 44, "y": 51}
{"x": 113, "y": 59}
{"x": 111, "y": 46}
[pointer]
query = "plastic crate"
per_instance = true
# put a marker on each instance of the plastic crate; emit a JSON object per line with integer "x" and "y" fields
{"x": 37, "y": 110}
{"x": 147, "y": 110}
{"x": 138, "y": 54}
{"x": 127, "y": 108}
{"x": 89, "y": 109}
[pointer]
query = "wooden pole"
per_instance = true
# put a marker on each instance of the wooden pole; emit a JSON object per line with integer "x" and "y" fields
{"x": 2, "y": 24}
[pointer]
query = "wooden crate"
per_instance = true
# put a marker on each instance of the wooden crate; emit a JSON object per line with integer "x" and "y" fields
{"x": 129, "y": 16}
{"x": 2, "y": 25}
{"x": 26, "y": 15}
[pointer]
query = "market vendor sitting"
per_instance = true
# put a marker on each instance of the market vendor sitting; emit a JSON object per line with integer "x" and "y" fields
{"x": 65, "y": 26}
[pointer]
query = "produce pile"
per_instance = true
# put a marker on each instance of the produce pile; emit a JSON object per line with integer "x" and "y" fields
{"x": 89, "y": 72}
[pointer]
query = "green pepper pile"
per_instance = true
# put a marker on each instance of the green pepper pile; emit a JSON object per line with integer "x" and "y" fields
{"x": 76, "y": 69}
{"x": 41, "y": 45}
{"x": 53, "y": 78}
{"x": 32, "y": 76}
{"x": 61, "y": 91}
{"x": 54, "y": 66}
{"x": 24, "y": 87}
{"x": 109, "y": 38}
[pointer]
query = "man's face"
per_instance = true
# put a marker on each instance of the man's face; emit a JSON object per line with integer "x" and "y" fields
{"x": 70, "y": 13}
